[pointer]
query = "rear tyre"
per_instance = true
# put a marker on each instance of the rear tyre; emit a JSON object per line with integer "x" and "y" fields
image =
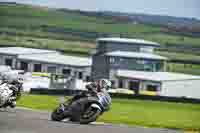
{"x": 82, "y": 107}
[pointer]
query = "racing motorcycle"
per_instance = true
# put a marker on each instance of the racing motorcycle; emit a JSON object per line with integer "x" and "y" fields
{"x": 9, "y": 93}
{"x": 84, "y": 108}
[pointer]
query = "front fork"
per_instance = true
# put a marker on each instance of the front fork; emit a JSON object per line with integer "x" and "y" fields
{"x": 61, "y": 108}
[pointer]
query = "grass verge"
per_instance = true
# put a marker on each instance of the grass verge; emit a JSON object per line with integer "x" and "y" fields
{"x": 133, "y": 112}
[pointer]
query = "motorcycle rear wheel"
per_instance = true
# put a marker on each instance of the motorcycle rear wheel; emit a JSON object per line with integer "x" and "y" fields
{"x": 81, "y": 107}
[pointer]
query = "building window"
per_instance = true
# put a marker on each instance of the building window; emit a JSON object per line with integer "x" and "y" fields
{"x": 80, "y": 75}
{"x": 159, "y": 66}
{"x": 88, "y": 79}
{"x": 121, "y": 83}
{"x": 146, "y": 49}
{"x": 66, "y": 71}
{"x": 51, "y": 69}
{"x": 152, "y": 88}
{"x": 24, "y": 66}
{"x": 134, "y": 85}
{"x": 37, "y": 67}
{"x": 8, "y": 62}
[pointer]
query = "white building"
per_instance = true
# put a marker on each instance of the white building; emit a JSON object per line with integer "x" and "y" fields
{"x": 48, "y": 61}
{"x": 9, "y": 55}
{"x": 162, "y": 83}
{"x": 132, "y": 64}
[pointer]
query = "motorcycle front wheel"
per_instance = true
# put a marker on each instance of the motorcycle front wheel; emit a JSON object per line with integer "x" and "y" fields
{"x": 57, "y": 116}
{"x": 90, "y": 116}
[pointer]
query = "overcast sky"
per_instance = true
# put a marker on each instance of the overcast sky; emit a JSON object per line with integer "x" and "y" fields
{"x": 181, "y": 8}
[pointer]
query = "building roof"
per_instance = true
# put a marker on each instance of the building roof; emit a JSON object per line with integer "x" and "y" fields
{"x": 21, "y": 51}
{"x": 140, "y": 55}
{"x": 127, "y": 40}
{"x": 155, "y": 76}
{"x": 58, "y": 59}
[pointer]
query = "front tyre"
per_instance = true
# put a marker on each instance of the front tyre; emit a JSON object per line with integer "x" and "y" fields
{"x": 57, "y": 116}
{"x": 92, "y": 116}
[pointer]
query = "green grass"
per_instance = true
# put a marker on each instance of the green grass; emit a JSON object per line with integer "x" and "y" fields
{"x": 29, "y": 18}
{"x": 173, "y": 39}
{"x": 29, "y": 21}
{"x": 47, "y": 43}
{"x": 187, "y": 69}
{"x": 133, "y": 112}
{"x": 181, "y": 68}
{"x": 38, "y": 33}
{"x": 15, "y": 15}
{"x": 179, "y": 56}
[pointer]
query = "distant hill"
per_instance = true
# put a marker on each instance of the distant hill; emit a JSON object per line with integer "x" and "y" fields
{"x": 173, "y": 24}
{"x": 29, "y": 17}
{"x": 176, "y": 23}
{"x": 74, "y": 31}
{"x": 168, "y": 23}
{"x": 157, "y": 19}
{"x": 36, "y": 24}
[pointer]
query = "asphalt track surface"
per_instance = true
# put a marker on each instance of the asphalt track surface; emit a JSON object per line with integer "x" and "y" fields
{"x": 29, "y": 121}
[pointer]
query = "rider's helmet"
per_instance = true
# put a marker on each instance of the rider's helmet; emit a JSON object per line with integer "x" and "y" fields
{"x": 104, "y": 84}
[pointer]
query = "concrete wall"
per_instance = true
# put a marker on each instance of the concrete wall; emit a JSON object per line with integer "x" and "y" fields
{"x": 100, "y": 67}
{"x": 184, "y": 88}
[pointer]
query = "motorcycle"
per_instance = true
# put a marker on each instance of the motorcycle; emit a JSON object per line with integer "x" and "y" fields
{"x": 84, "y": 108}
{"x": 8, "y": 96}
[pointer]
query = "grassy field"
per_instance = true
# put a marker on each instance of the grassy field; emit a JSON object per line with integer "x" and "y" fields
{"x": 14, "y": 15}
{"x": 133, "y": 112}
{"x": 179, "y": 56}
{"x": 187, "y": 69}
{"x": 48, "y": 43}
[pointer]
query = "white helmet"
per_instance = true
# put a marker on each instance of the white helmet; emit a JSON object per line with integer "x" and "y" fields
{"x": 104, "y": 83}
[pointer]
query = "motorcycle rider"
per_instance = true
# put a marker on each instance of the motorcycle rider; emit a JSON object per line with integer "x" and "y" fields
{"x": 94, "y": 88}
{"x": 100, "y": 86}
